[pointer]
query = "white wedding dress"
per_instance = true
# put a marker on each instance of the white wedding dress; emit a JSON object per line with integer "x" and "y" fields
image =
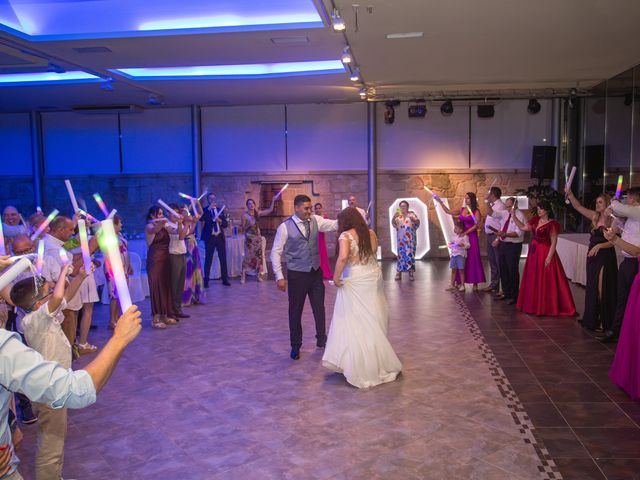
{"x": 357, "y": 344}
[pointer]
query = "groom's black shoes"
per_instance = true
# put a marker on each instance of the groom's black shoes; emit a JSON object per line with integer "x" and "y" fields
{"x": 321, "y": 344}
{"x": 295, "y": 354}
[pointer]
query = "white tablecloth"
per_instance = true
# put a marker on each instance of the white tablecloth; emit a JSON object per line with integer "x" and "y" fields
{"x": 572, "y": 249}
{"x": 235, "y": 255}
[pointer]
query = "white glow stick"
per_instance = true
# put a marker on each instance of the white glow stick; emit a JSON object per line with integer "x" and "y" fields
{"x": 72, "y": 196}
{"x": 89, "y": 216}
{"x": 219, "y": 212}
{"x": 184, "y": 195}
{"x": 64, "y": 258}
{"x": 3, "y": 249}
{"x": 40, "y": 260}
{"x": 566, "y": 172}
{"x": 203, "y": 194}
{"x": 433, "y": 194}
{"x": 39, "y": 210}
{"x": 368, "y": 208}
{"x": 571, "y": 175}
{"x": 44, "y": 225}
{"x": 112, "y": 213}
{"x": 168, "y": 208}
{"x": 13, "y": 271}
{"x": 495, "y": 179}
{"x": 84, "y": 246}
{"x": 286, "y": 185}
{"x": 110, "y": 248}
{"x": 193, "y": 205}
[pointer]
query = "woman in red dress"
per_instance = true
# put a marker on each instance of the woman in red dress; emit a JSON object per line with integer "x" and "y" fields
{"x": 544, "y": 289}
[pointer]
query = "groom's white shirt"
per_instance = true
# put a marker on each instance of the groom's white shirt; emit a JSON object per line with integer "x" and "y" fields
{"x": 324, "y": 225}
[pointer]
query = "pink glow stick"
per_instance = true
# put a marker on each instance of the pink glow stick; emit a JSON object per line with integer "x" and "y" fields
{"x": 72, "y": 196}
{"x": 84, "y": 246}
{"x": 110, "y": 248}
{"x": 44, "y": 225}
{"x": 3, "y": 249}
{"x": 40, "y": 259}
{"x": 101, "y": 204}
{"x": 619, "y": 187}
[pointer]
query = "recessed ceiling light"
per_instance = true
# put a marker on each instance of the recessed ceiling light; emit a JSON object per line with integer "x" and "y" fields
{"x": 391, "y": 36}
{"x": 298, "y": 40}
{"x": 212, "y": 72}
{"x": 47, "y": 78}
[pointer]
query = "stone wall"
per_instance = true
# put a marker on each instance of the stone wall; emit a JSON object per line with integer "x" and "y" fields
{"x": 132, "y": 195}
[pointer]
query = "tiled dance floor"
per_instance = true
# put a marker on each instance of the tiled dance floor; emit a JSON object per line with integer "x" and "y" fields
{"x": 218, "y": 398}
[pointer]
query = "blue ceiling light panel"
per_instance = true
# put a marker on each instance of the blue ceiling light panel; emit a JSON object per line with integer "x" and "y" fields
{"x": 47, "y": 78}
{"x": 216, "y": 72}
{"x": 45, "y": 20}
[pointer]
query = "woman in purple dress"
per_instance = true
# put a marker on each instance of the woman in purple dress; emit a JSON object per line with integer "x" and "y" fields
{"x": 471, "y": 218}
{"x": 625, "y": 371}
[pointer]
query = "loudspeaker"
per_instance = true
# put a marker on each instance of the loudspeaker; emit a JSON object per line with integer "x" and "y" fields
{"x": 543, "y": 162}
{"x": 594, "y": 162}
{"x": 486, "y": 111}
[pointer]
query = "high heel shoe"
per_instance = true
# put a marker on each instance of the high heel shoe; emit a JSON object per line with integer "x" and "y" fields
{"x": 398, "y": 276}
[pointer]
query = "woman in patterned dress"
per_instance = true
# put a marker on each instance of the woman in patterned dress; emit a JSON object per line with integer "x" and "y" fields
{"x": 253, "y": 239}
{"x": 406, "y": 223}
{"x": 194, "y": 292}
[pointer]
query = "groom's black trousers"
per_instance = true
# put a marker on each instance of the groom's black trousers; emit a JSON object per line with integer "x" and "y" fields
{"x": 301, "y": 284}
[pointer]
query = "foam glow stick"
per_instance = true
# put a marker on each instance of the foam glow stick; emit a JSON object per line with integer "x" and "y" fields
{"x": 62, "y": 253}
{"x": 112, "y": 213}
{"x": 571, "y": 175}
{"x": 110, "y": 248}
{"x": 495, "y": 179}
{"x": 219, "y": 212}
{"x": 39, "y": 210}
{"x": 168, "y": 208}
{"x": 13, "y": 271}
{"x": 619, "y": 187}
{"x": 3, "y": 249}
{"x": 281, "y": 190}
{"x": 433, "y": 194}
{"x": 442, "y": 247}
{"x": 203, "y": 194}
{"x": 89, "y": 216}
{"x": 84, "y": 246}
{"x": 72, "y": 196}
{"x": 44, "y": 225}
{"x": 475, "y": 220}
{"x": 101, "y": 204}
{"x": 193, "y": 205}
{"x": 368, "y": 208}
{"x": 566, "y": 172}
{"x": 184, "y": 195}
{"x": 40, "y": 259}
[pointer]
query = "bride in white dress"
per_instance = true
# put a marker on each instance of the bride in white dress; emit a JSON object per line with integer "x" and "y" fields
{"x": 357, "y": 344}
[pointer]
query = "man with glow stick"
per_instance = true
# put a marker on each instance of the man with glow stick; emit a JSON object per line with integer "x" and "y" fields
{"x": 24, "y": 370}
{"x": 215, "y": 221}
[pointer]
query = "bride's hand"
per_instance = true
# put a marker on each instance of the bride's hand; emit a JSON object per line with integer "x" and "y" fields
{"x": 338, "y": 282}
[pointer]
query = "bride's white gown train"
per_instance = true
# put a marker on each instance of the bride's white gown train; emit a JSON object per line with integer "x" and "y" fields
{"x": 357, "y": 344}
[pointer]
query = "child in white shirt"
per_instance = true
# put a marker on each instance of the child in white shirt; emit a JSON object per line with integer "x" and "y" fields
{"x": 458, "y": 247}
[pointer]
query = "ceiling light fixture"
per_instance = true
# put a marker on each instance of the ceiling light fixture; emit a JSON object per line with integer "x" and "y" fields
{"x": 47, "y": 78}
{"x": 534, "y": 106}
{"x": 392, "y": 36}
{"x": 446, "y": 108}
{"x": 363, "y": 93}
{"x": 355, "y": 74}
{"x": 346, "y": 56}
{"x": 337, "y": 21}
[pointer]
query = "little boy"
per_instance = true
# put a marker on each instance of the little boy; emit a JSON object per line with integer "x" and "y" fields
{"x": 44, "y": 334}
{"x": 458, "y": 247}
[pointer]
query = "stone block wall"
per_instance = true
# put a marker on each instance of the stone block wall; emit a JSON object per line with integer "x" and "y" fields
{"x": 18, "y": 191}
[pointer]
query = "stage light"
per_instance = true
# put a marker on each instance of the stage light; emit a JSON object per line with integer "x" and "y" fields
{"x": 418, "y": 111}
{"x": 337, "y": 21}
{"x": 486, "y": 111}
{"x": 346, "y": 56}
{"x": 446, "y": 108}
{"x": 534, "y": 106}
{"x": 355, "y": 75}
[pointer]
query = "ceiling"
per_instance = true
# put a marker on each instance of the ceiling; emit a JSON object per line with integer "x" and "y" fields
{"x": 468, "y": 47}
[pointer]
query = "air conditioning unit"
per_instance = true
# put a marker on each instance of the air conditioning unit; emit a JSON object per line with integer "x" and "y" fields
{"x": 104, "y": 109}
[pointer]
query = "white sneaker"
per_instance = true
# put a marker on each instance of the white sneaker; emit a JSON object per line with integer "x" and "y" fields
{"x": 461, "y": 288}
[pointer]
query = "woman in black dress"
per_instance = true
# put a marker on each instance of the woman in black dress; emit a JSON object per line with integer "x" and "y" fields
{"x": 602, "y": 267}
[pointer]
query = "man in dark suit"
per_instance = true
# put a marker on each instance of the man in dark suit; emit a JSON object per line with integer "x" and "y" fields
{"x": 215, "y": 221}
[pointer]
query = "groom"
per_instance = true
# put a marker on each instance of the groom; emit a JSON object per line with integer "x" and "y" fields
{"x": 297, "y": 238}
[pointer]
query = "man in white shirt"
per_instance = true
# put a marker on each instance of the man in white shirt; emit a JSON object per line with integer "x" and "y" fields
{"x": 12, "y": 223}
{"x": 61, "y": 231}
{"x": 43, "y": 333}
{"x": 493, "y": 223}
{"x": 297, "y": 239}
{"x": 177, "y": 258}
{"x": 508, "y": 245}
{"x": 353, "y": 202}
{"x": 628, "y": 269}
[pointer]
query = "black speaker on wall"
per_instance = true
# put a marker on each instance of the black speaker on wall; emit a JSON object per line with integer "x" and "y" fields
{"x": 594, "y": 162}
{"x": 543, "y": 162}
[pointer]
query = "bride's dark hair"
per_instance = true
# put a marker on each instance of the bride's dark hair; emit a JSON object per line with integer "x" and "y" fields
{"x": 350, "y": 218}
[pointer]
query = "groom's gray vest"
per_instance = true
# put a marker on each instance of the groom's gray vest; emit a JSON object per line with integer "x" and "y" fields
{"x": 300, "y": 253}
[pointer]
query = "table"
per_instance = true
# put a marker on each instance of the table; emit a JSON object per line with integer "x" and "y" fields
{"x": 572, "y": 248}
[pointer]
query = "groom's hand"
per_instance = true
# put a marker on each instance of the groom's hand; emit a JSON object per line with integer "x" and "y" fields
{"x": 282, "y": 285}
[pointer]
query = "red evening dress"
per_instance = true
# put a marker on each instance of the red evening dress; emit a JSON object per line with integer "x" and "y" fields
{"x": 544, "y": 290}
